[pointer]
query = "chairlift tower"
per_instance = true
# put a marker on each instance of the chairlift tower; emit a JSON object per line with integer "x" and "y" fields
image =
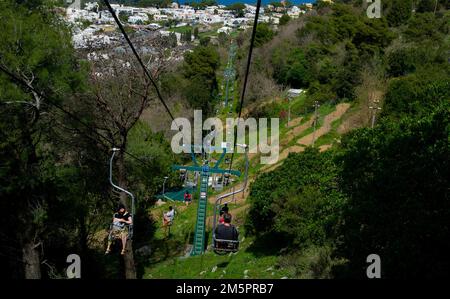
{"x": 205, "y": 171}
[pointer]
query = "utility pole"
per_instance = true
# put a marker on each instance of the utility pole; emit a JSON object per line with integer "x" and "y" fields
{"x": 316, "y": 106}
{"x": 164, "y": 185}
{"x": 374, "y": 110}
{"x": 289, "y": 111}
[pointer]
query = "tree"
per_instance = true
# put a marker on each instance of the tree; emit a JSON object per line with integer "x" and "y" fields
{"x": 396, "y": 177}
{"x": 222, "y": 37}
{"x": 285, "y": 18}
{"x": 123, "y": 17}
{"x": 417, "y": 93}
{"x": 399, "y": 12}
{"x": 299, "y": 201}
{"x": 237, "y": 8}
{"x": 426, "y": 6}
{"x": 263, "y": 34}
{"x": 120, "y": 92}
{"x": 204, "y": 41}
{"x": 199, "y": 68}
{"x": 425, "y": 26}
{"x": 196, "y": 32}
{"x": 33, "y": 75}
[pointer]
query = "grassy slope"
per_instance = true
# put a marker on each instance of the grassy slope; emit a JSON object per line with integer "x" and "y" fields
{"x": 167, "y": 260}
{"x": 254, "y": 260}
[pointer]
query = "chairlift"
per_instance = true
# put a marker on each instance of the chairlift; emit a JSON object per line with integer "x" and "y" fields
{"x": 120, "y": 189}
{"x": 187, "y": 181}
{"x": 221, "y": 246}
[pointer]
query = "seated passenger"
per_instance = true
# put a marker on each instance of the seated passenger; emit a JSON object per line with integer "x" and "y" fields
{"x": 226, "y": 231}
{"x": 121, "y": 221}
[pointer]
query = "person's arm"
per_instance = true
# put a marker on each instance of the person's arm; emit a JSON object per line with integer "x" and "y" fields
{"x": 115, "y": 219}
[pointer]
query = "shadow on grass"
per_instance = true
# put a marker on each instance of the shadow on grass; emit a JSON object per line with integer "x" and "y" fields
{"x": 266, "y": 245}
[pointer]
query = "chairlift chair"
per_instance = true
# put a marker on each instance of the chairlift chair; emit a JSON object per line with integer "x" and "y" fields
{"x": 221, "y": 246}
{"x": 120, "y": 189}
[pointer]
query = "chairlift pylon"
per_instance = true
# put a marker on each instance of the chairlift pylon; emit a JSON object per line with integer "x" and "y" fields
{"x": 221, "y": 246}
{"x": 130, "y": 226}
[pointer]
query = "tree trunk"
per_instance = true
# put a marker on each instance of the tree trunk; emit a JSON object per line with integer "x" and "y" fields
{"x": 122, "y": 180}
{"x": 31, "y": 259}
{"x": 30, "y": 249}
{"x": 130, "y": 269}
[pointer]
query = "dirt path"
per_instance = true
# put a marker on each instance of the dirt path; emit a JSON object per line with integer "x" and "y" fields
{"x": 295, "y": 122}
{"x": 296, "y": 131}
{"x": 326, "y": 127}
{"x": 283, "y": 155}
{"x": 324, "y": 147}
{"x": 238, "y": 197}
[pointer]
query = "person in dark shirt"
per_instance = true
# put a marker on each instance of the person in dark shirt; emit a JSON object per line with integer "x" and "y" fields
{"x": 224, "y": 210}
{"x": 226, "y": 231}
{"x": 121, "y": 221}
{"x": 187, "y": 198}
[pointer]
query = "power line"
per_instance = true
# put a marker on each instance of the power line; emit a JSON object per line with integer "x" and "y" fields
{"x": 111, "y": 10}
{"x": 249, "y": 58}
{"x": 73, "y": 116}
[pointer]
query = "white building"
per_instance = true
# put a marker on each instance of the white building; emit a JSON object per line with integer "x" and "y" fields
{"x": 224, "y": 29}
{"x": 292, "y": 93}
{"x": 138, "y": 18}
{"x": 160, "y": 17}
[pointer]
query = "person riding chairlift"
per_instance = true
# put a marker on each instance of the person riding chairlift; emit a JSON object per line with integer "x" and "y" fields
{"x": 224, "y": 210}
{"x": 121, "y": 221}
{"x": 168, "y": 218}
{"x": 226, "y": 232}
{"x": 187, "y": 198}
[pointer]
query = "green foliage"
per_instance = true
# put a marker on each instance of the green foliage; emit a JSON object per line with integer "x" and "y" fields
{"x": 196, "y": 32}
{"x": 199, "y": 69}
{"x": 236, "y": 6}
{"x": 202, "y": 4}
{"x": 426, "y": 26}
{"x": 426, "y": 6}
{"x": 418, "y": 93}
{"x": 285, "y": 18}
{"x": 396, "y": 178}
{"x": 292, "y": 68}
{"x": 263, "y": 34}
{"x": 402, "y": 61}
{"x": 399, "y": 12}
{"x": 222, "y": 37}
{"x": 299, "y": 200}
{"x": 204, "y": 41}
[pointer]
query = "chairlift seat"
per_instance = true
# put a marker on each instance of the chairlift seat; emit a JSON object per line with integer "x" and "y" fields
{"x": 221, "y": 245}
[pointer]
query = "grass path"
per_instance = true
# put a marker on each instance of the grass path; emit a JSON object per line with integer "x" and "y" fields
{"x": 326, "y": 127}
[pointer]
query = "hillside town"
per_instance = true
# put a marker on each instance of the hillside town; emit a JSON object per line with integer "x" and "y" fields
{"x": 95, "y": 27}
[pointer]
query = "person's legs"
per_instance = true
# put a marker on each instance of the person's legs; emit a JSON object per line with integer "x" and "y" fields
{"x": 108, "y": 248}
{"x": 111, "y": 237}
{"x": 124, "y": 242}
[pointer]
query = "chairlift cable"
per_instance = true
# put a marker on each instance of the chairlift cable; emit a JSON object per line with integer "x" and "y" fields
{"x": 125, "y": 35}
{"x": 249, "y": 58}
{"x": 70, "y": 114}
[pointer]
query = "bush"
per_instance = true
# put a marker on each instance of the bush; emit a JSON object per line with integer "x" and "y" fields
{"x": 299, "y": 200}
